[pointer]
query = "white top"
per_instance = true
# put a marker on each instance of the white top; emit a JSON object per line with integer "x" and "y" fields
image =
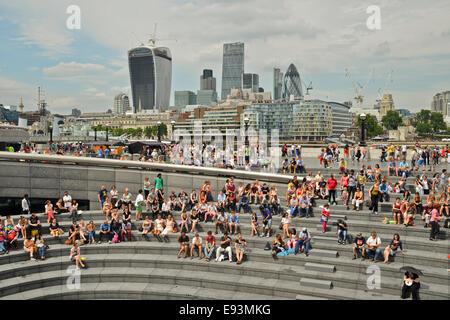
{"x": 67, "y": 198}
{"x": 373, "y": 241}
{"x": 139, "y": 198}
{"x": 25, "y": 204}
{"x": 196, "y": 240}
{"x": 114, "y": 194}
{"x": 285, "y": 220}
{"x": 165, "y": 207}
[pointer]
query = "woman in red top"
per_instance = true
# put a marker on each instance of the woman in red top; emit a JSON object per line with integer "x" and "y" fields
{"x": 396, "y": 210}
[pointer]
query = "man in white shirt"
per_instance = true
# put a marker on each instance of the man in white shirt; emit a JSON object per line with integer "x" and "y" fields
{"x": 25, "y": 205}
{"x": 196, "y": 244}
{"x": 139, "y": 203}
{"x": 373, "y": 247}
{"x": 67, "y": 199}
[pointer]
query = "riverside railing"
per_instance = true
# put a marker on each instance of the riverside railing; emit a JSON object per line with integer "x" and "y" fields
{"x": 154, "y": 166}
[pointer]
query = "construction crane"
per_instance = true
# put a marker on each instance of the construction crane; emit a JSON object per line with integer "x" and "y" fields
{"x": 153, "y": 38}
{"x": 308, "y": 88}
{"x": 386, "y": 86}
{"x": 359, "y": 89}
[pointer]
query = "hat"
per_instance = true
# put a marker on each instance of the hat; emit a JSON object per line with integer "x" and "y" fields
{"x": 304, "y": 229}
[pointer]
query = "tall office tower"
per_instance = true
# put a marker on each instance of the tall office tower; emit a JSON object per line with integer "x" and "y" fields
{"x": 277, "y": 83}
{"x": 386, "y": 104}
{"x": 250, "y": 81}
{"x": 150, "y": 77}
{"x": 440, "y": 103}
{"x": 207, "y": 81}
{"x": 232, "y": 67}
{"x": 121, "y": 104}
{"x": 292, "y": 85}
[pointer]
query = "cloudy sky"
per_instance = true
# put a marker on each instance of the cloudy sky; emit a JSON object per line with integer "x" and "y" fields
{"x": 85, "y": 68}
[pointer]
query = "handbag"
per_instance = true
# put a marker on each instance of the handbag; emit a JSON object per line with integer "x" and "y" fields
{"x": 115, "y": 238}
{"x": 281, "y": 226}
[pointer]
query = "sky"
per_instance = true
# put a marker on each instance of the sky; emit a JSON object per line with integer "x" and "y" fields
{"x": 86, "y": 67}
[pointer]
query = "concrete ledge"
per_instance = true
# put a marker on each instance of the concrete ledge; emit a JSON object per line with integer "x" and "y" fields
{"x": 306, "y": 297}
{"x": 323, "y": 284}
{"x": 325, "y": 253}
{"x": 320, "y": 267}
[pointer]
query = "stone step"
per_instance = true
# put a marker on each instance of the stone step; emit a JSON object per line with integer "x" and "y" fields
{"x": 320, "y": 267}
{"x": 325, "y": 253}
{"x": 323, "y": 284}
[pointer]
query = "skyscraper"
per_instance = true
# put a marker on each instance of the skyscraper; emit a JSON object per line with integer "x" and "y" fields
{"x": 232, "y": 67}
{"x": 292, "y": 84}
{"x": 277, "y": 83}
{"x": 250, "y": 81}
{"x": 207, "y": 81}
{"x": 121, "y": 104}
{"x": 150, "y": 77}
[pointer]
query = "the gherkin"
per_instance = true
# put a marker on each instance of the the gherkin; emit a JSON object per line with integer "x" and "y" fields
{"x": 292, "y": 84}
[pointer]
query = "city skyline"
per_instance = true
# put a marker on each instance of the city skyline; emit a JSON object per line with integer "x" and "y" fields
{"x": 86, "y": 68}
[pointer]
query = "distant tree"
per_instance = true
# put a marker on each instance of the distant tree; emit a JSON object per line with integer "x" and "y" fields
{"x": 148, "y": 132}
{"x": 392, "y": 120}
{"x": 372, "y": 127}
{"x": 427, "y": 123}
{"x": 437, "y": 122}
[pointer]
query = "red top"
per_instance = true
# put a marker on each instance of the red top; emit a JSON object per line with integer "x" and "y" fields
{"x": 332, "y": 183}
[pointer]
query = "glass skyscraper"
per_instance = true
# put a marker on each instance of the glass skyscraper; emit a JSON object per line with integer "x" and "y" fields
{"x": 250, "y": 81}
{"x": 151, "y": 77}
{"x": 277, "y": 84}
{"x": 232, "y": 67}
{"x": 292, "y": 84}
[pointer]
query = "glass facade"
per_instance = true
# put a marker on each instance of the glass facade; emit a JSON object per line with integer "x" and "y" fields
{"x": 232, "y": 67}
{"x": 292, "y": 84}
{"x": 184, "y": 98}
{"x": 250, "y": 81}
{"x": 150, "y": 77}
{"x": 206, "y": 97}
{"x": 277, "y": 84}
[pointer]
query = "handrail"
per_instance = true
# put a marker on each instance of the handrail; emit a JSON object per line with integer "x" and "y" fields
{"x": 150, "y": 165}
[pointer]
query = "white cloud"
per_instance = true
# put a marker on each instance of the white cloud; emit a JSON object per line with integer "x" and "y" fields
{"x": 73, "y": 69}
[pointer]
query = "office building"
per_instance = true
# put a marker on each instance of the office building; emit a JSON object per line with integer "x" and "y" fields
{"x": 207, "y": 81}
{"x": 440, "y": 103}
{"x": 151, "y": 78}
{"x": 206, "y": 97}
{"x": 250, "y": 81}
{"x": 121, "y": 104}
{"x": 292, "y": 85}
{"x": 184, "y": 98}
{"x": 277, "y": 84}
{"x": 232, "y": 67}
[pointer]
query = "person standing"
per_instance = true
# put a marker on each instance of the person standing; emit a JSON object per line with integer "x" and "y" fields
{"x": 26, "y": 205}
{"x": 102, "y": 194}
{"x": 411, "y": 284}
{"x": 332, "y": 185}
{"x": 374, "y": 197}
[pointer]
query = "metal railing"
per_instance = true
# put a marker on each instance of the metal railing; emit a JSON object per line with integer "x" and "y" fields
{"x": 163, "y": 167}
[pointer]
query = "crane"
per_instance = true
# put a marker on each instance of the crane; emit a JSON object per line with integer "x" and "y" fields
{"x": 386, "y": 86}
{"x": 359, "y": 89}
{"x": 153, "y": 38}
{"x": 308, "y": 88}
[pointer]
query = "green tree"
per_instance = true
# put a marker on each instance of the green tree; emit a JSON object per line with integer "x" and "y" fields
{"x": 372, "y": 127}
{"x": 392, "y": 120}
{"x": 437, "y": 122}
{"x": 148, "y": 132}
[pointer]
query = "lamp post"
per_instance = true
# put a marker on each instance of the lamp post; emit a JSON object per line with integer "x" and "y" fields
{"x": 173, "y": 134}
{"x": 363, "y": 116}
{"x": 246, "y": 121}
{"x": 51, "y": 133}
{"x": 107, "y": 131}
{"x": 159, "y": 131}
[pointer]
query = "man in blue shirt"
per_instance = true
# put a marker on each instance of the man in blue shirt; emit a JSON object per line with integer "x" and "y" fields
{"x": 384, "y": 192}
{"x": 267, "y": 221}
{"x": 105, "y": 231}
{"x": 404, "y": 166}
{"x": 304, "y": 242}
{"x": 305, "y": 206}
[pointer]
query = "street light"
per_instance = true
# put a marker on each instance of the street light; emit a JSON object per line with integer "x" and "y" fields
{"x": 107, "y": 131}
{"x": 173, "y": 126}
{"x": 51, "y": 133}
{"x": 246, "y": 121}
{"x": 159, "y": 131}
{"x": 363, "y": 117}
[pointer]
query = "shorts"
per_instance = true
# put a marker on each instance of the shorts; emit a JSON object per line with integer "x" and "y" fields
{"x": 393, "y": 252}
{"x": 268, "y": 224}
